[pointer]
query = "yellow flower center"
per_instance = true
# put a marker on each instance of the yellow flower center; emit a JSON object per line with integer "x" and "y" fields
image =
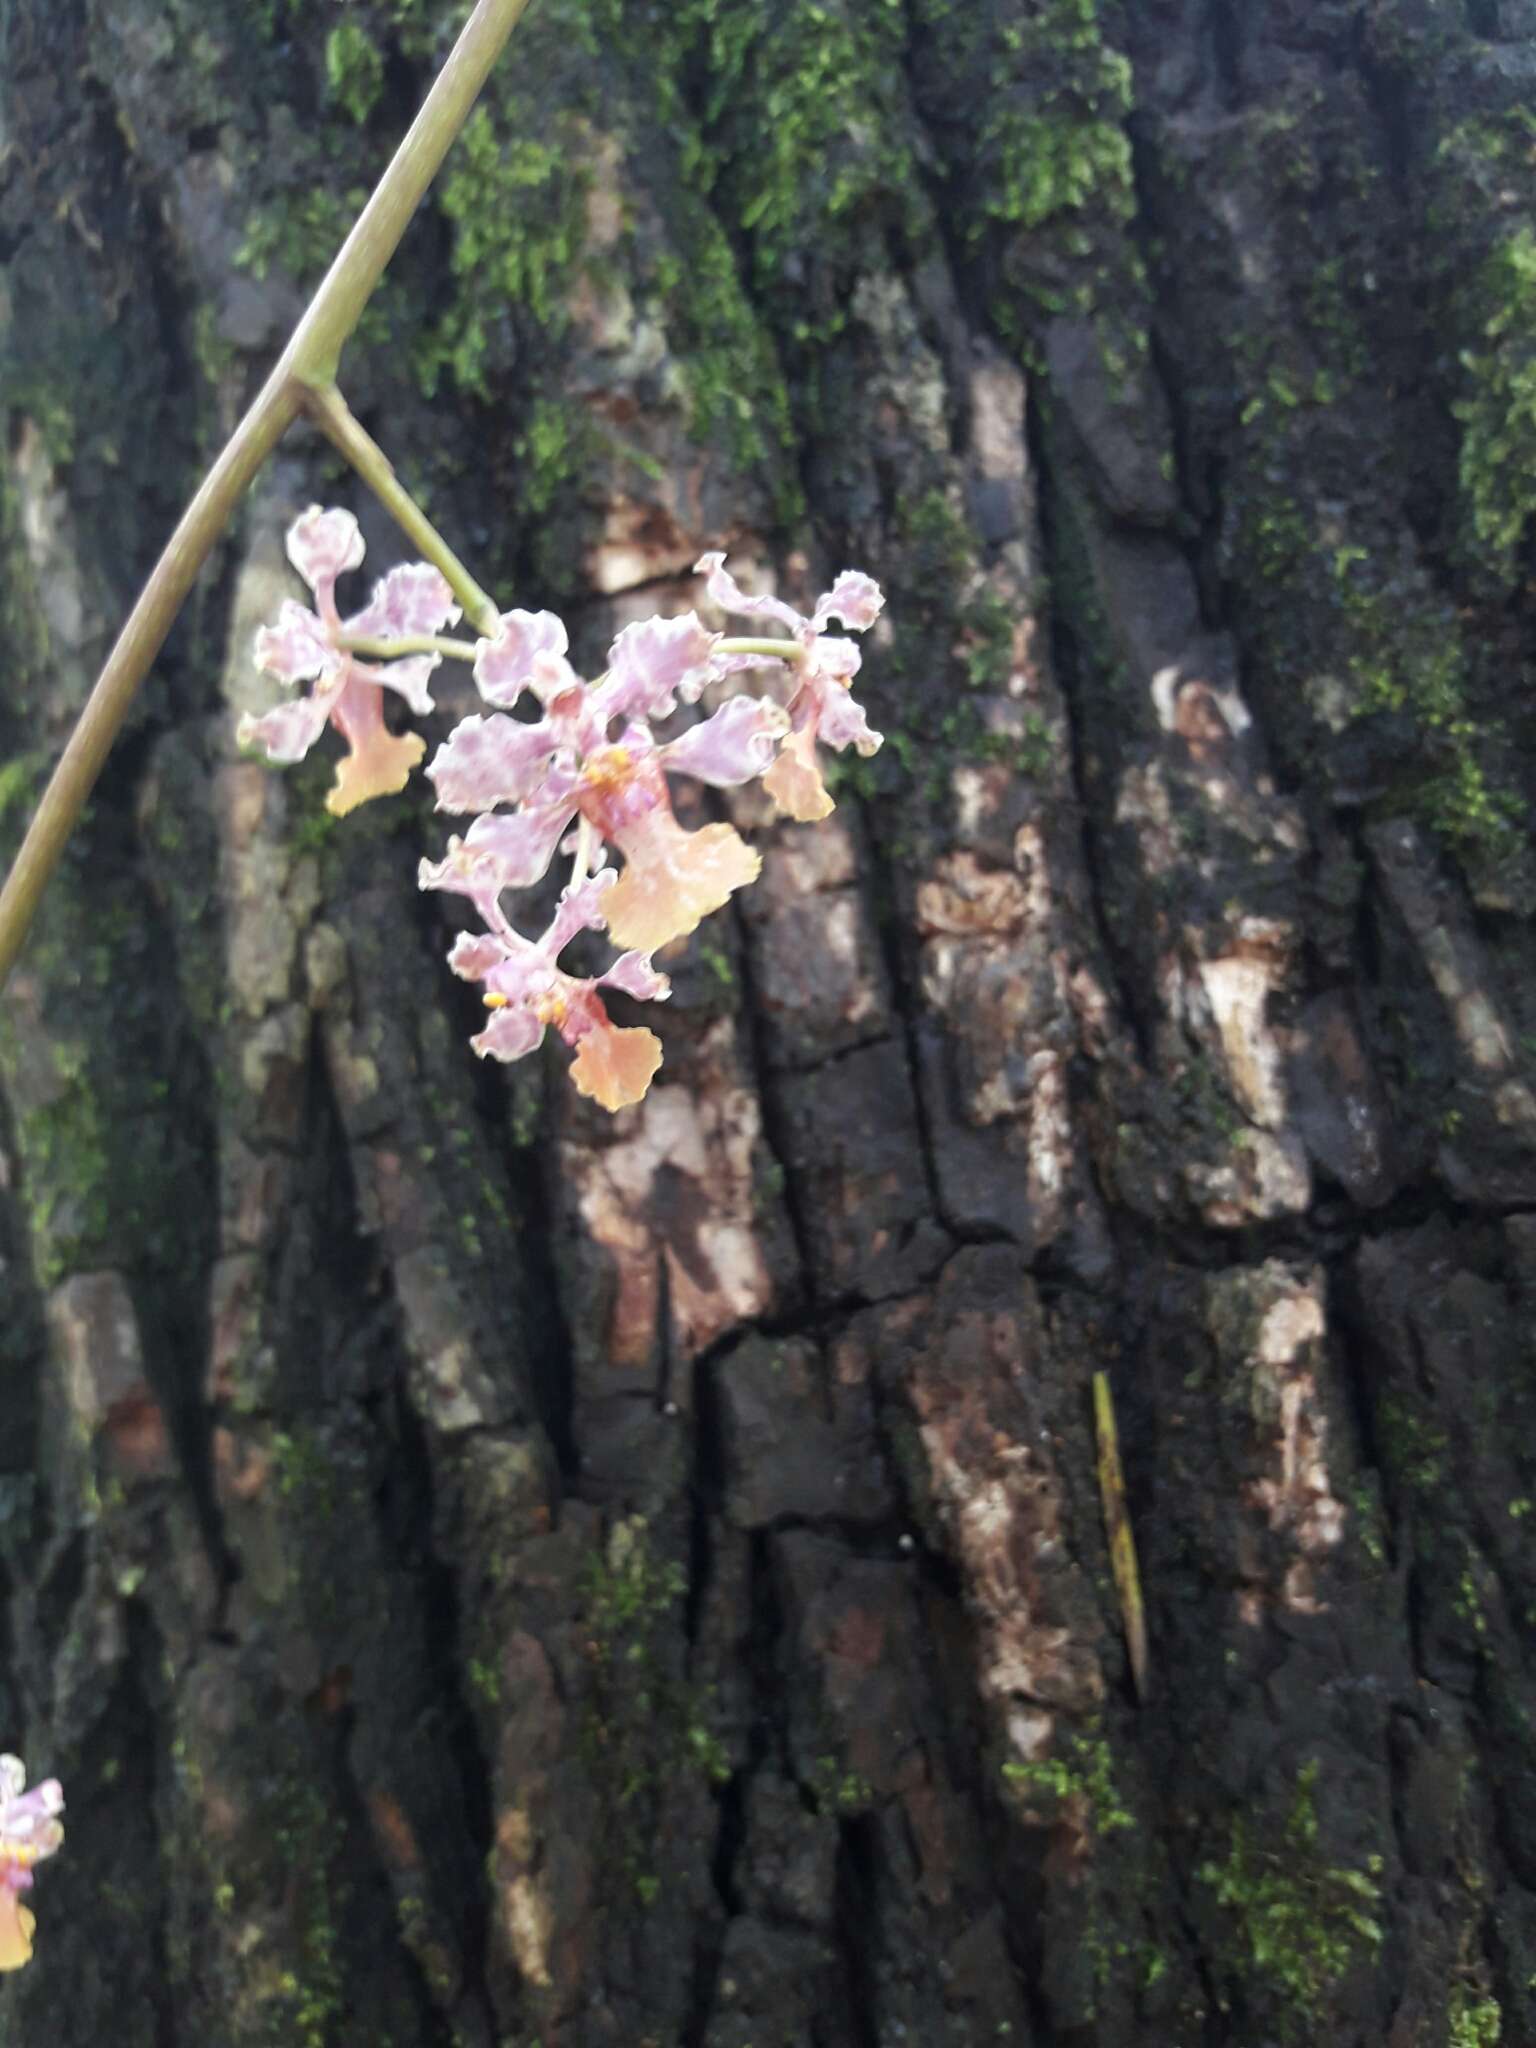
{"x": 609, "y": 768}
{"x": 492, "y": 1001}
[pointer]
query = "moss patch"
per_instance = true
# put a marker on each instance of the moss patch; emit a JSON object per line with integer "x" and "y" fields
{"x": 1300, "y": 1923}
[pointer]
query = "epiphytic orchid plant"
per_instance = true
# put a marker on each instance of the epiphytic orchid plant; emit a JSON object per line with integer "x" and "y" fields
{"x": 587, "y": 775}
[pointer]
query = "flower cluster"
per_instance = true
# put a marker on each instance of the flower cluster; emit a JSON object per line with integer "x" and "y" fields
{"x": 588, "y": 758}
{"x": 29, "y": 1830}
{"x": 348, "y": 693}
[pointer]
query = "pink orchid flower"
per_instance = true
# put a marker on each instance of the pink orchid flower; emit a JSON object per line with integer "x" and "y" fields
{"x": 348, "y": 693}
{"x": 29, "y": 1831}
{"x": 567, "y": 765}
{"x": 821, "y": 706}
{"x": 528, "y": 991}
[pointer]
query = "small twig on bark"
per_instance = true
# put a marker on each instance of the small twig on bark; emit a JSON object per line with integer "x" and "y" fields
{"x": 1122, "y": 1539}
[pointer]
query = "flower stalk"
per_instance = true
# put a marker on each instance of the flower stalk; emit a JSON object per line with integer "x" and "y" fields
{"x": 333, "y": 416}
{"x": 376, "y": 648}
{"x": 305, "y": 371}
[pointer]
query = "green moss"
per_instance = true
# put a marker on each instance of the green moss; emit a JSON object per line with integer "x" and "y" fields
{"x": 792, "y": 122}
{"x": 1054, "y": 146}
{"x": 1386, "y": 643}
{"x": 427, "y": 28}
{"x": 1498, "y": 410}
{"x": 304, "y": 1470}
{"x": 1412, "y": 1451}
{"x": 354, "y": 69}
{"x": 516, "y": 208}
{"x": 816, "y": 82}
{"x": 643, "y": 1723}
{"x": 1083, "y": 1774}
{"x": 555, "y": 441}
{"x": 736, "y": 391}
{"x": 1474, "y": 2022}
{"x": 1055, "y": 163}
{"x": 312, "y": 2005}
{"x": 21, "y": 784}
{"x": 1301, "y": 1923}
{"x": 629, "y": 1590}
{"x": 987, "y": 626}
{"x": 68, "y": 1177}
{"x": 299, "y": 232}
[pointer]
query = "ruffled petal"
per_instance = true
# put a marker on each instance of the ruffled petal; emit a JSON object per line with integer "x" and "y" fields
{"x": 735, "y": 745}
{"x": 16, "y": 1929}
{"x": 415, "y": 598}
{"x": 324, "y": 545}
{"x": 634, "y": 974}
{"x": 834, "y": 659}
{"x": 841, "y": 723}
{"x": 522, "y": 842}
{"x": 288, "y": 731}
{"x": 489, "y": 761}
{"x": 794, "y": 781}
{"x": 504, "y": 666}
{"x": 615, "y": 1065}
{"x": 654, "y": 662}
{"x": 512, "y": 1034}
{"x": 295, "y": 648}
{"x": 673, "y": 878}
{"x": 554, "y": 682}
{"x": 854, "y": 598}
{"x": 466, "y": 871}
{"x": 729, "y": 595}
{"x": 473, "y": 954}
{"x": 378, "y": 762}
{"x": 582, "y": 909}
{"x": 407, "y": 677}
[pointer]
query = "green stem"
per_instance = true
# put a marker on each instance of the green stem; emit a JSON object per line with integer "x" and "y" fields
{"x": 310, "y": 359}
{"x": 137, "y": 645}
{"x": 409, "y": 643}
{"x": 777, "y": 650}
{"x": 333, "y": 416}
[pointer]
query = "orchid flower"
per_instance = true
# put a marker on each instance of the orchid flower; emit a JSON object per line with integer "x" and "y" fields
{"x": 308, "y": 646}
{"x": 527, "y": 990}
{"x": 566, "y": 765}
{"x": 29, "y": 1831}
{"x": 821, "y": 706}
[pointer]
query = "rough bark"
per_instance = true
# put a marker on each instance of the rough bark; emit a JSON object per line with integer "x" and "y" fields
{"x": 488, "y": 1574}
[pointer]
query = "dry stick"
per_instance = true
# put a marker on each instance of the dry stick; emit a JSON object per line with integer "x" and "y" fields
{"x": 1122, "y": 1538}
{"x": 309, "y": 361}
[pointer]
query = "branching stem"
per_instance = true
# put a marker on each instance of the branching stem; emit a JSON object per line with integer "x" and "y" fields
{"x": 306, "y": 370}
{"x": 333, "y": 416}
{"x": 776, "y": 650}
{"x": 408, "y": 643}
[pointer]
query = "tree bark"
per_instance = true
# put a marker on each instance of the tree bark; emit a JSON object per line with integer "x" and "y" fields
{"x": 487, "y": 1573}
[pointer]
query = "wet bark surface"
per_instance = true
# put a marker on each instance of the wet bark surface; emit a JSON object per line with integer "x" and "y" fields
{"x": 488, "y": 1573}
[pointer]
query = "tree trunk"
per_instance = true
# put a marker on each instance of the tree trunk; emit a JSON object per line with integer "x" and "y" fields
{"x": 487, "y": 1573}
